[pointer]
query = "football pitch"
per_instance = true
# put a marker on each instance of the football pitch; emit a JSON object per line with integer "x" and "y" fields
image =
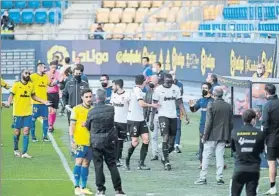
{"x": 45, "y": 175}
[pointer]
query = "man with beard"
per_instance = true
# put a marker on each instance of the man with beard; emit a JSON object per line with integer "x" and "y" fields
{"x": 167, "y": 95}
{"x": 41, "y": 83}
{"x": 21, "y": 94}
{"x": 120, "y": 101}
{"x": 202, "y": 104}
{"x": 106, "y": 86}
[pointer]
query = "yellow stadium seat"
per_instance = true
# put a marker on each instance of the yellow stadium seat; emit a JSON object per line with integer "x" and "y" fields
{"x": 120, "y": 4}
{"x": 232, "y": 2}
{"x": 108, "y": 4}
{"x": 185, "y": 26}
{"x": 131, "y": 29}
{"x": 140, "y": 13}
{"x": 115, "y": 15}
{"x": 145, "y": 4}
{"x": 118, "y": 31}
{"x": 133, "y": 4}
{"x": 128, "y": 15}
{"x": 157, "y": 3}
{"x": 103, "y": 15}
{"x": 205, "y": 13}
{"x": 171, "y": 16}
{"x": 163, "y": 13}
{"x": 108, "y": 28}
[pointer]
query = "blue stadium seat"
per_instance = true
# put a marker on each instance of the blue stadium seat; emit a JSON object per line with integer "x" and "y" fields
{"x": 34, "y": 4}
{"x": 62, "y": 4}
{"x": 41, "y": 16}
{"x": 20, "y": 4}
{"x": 27, "y": 16}
{"x": 48, "y": 4}
{"x": 14, "y": 14}
{"x": 54, "y": 16}
{"x": 7, "y": 4}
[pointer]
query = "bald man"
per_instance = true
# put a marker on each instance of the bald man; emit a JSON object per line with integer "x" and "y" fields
{"x": 153, "y": 83}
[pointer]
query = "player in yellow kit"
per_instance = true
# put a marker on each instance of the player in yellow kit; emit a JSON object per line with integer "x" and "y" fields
{"x": 41, "y": 82}
{"x": 21, "y": 94}
{"x": 80, "y": 140}
{"x": 4, "y": 84}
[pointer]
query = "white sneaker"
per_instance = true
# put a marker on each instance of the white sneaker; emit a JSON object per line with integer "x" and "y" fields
{"x": 100, "y": 193}
{"x": 35, "y": 140}
{"x": 17, "y": 153}
{"x": 27, "y": 156}
{"x": 271, "y": 191}
{"x": 78, "y": 191}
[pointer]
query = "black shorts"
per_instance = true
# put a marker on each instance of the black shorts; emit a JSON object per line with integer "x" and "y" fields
{"x": 272, "y": 153}
{"x": 168, "y": 125}
{"x": 121, "y": 129}
{"x": 137, "y": 128}
{"x": 54, "y": 99}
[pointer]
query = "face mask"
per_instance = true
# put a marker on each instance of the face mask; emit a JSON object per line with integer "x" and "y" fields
{"x": 78, "y": 78}
{"x": 204, "y": 93}
{"x": 154, "y": 69}
{"x": 104, "y": 84}
{"x": 26, "y": 78}
{"x": 167, "y": 83}
{"x": 151, "y": 85}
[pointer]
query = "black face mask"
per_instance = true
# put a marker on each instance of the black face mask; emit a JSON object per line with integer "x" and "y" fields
{"x": 204, "y": 93}
{"x": 26, "y": 78}
{"x": 167, "y": 83}
{"x": 151, "y": 85}
{"x": 104, "y": 85}
{"x": 78, "y": 78}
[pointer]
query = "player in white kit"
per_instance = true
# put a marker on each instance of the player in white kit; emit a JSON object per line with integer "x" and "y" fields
{"x": 167, "y": 95}
{"x": 120, "y": 101}
{"x": 136, "y": 123}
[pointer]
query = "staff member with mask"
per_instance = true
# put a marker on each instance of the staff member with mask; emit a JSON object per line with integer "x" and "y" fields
{"x": 107, "y": 87}
{"x": 159, "y": 72}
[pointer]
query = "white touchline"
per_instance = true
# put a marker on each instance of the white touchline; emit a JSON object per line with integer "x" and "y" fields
{"x": 28, "y": 179}
{"x": 61, "y": 156}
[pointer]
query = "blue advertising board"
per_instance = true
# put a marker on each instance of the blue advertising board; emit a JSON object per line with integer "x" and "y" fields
{"x": 191, "y": 60}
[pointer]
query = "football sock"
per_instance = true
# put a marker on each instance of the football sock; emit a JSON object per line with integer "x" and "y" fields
{"x": 165, "y": 151}
{"x": 143, "y": 152}
{"x": 272, "y": 184}
{"x": 84, "y": 176}
{"x": 16, "y": 139}
{"x": 45, "y": 127}
{"x": 33, "y": 127}
{"x": 130, "y": 151}
{"x": 77, "y": 171}
{"x": 119, "y": 149}
{"x": 25, "y": 143}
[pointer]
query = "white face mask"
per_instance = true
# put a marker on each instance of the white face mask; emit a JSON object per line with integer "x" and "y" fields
{"x": 154, "y": 69}
{"x": 260, "y": 71}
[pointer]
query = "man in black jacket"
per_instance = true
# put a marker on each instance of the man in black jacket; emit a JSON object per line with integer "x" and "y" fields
{"x": 217, "y": 132}
{"x": 270, "y": 127}
{"x": 247, "y": 144}
{"x": 71, "y": 94}
{"x": 103, "y": 137}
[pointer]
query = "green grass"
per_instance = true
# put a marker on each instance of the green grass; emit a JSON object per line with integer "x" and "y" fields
{"x": 18, "y": 176}
{"x": 46, "y": 164}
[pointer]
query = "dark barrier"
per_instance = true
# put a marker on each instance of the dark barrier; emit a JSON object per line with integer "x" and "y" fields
{"x": 192, "y": 60}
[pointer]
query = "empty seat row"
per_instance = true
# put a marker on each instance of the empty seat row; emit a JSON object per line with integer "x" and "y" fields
{"x": 244, "y": 13}
{"x": 39, "y": 16}
{"x": 34, "y": 4}
{"x": 149, "y": 4}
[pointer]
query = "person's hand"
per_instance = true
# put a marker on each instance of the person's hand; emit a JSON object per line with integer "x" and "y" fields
{"x": 156, "y": 105}
{"x": 83, "y": 124}
{"x": 47, "y": 103}
{"x": 74, "y": 146}
{"x": 6, "y": 105}
{"x": 191, "y": 103}
{"x": 68, "y": 107}
{"x": 203, "y": 140}
{"x": 187, "y": 119}
{"x": 151, "y": 126}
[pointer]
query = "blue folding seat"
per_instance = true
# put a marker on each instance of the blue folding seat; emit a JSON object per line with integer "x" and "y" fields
{"x": 7, "y": 4}
{"x": 27, "y": 16}
{"x": 34, "y": 4}
{"x": 225, "y": 13}
{"x": 62, "y": 4}
{"x": 48, "y": 4}
{"x": 20, "y": 4}
{"x": 252, "y": 13}
{"x": 41, "y": 16}
{"x": 14, "y": 15}
{"x": 55, "y": 15}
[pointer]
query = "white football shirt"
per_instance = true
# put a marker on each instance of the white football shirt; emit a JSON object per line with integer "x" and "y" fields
{"x": 135, "y": 112}
{"x": 120, "y": 103}
{"x": 167, "y": 97}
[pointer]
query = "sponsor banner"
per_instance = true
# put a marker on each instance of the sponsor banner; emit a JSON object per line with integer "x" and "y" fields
{"x": 191, "y": 60}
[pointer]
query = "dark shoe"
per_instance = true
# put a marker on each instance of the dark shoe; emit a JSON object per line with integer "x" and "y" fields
{"x": 200, "y": 181}
{"x": 177, "y": 149}
{"x": 120, "y": 193}
{"x": 127, "y": 164}
{"x": 155, "y": 158}
{"x": 142, "y": 166}
{"x": 220, "y": 182}
{"x": 167, "y": 166}
{"x": 225, "y": 166}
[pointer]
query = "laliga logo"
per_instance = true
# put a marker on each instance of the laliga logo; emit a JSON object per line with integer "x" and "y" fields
{"x": 56, "y": 50}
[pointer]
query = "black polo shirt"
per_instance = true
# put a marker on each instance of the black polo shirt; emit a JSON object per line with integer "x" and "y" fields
{"x": 161, "y": 75}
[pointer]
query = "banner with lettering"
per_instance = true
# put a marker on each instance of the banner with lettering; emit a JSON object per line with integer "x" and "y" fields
{"x": 191, "y": 60}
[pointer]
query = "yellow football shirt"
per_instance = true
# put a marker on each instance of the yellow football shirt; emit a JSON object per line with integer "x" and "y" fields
{"x": 22, "y": 104}
{"x": 81, "y": 134}
{"x": 41, "y": 82}
{"x": 3, "y": 83}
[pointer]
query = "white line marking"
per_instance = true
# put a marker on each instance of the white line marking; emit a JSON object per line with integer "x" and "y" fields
{"x": 61, "y": 156}
{"x": 26, "y": 179}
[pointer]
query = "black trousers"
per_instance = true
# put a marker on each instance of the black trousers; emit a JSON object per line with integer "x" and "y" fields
{"x": 200, "y": 148}
{"x": 106, "y": 154}
{"x": 251, "y": 180}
